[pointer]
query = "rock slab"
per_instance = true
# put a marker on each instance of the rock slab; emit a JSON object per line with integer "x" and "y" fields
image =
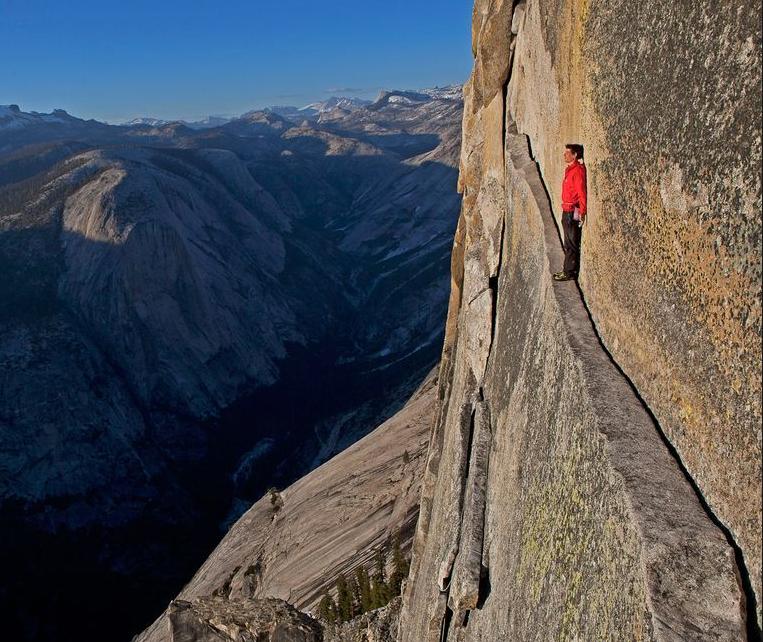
{"x": 292, "y": 545}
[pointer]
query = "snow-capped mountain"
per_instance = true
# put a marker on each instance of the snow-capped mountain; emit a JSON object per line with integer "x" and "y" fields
{"x": 204, "y": 123}
{"x": 11, "y": 117}
{"x": 151, "y": 122}
{"x": 343, "y": 102}
{"x": 399, "y": 97}
{"x": 449, "y": 92}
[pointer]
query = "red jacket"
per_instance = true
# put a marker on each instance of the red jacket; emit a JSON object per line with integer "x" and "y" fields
{"x": 574, "y": 188}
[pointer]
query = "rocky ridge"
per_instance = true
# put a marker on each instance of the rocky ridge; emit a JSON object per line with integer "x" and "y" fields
{"x": 292, "y": 545}
{"x": 216, "y": 619}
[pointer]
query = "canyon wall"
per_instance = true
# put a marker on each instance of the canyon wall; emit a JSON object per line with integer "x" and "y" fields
{"x": 594, "y": 471}
{"x": 292, "y": 545}
{"x": 167, "y": 298}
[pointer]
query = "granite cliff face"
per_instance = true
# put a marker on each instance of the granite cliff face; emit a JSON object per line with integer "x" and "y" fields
{"x": 594, "y": 472}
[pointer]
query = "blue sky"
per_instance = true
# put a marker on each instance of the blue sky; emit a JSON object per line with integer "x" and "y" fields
{"x": 170, "y": 59}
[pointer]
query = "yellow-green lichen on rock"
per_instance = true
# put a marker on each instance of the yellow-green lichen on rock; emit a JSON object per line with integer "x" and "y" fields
{"x": 666, "y": 98}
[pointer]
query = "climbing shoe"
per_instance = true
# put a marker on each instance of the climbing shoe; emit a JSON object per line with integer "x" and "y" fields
{"x": 564, "y": 276}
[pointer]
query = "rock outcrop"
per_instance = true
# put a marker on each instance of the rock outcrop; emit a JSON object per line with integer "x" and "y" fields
{"x": 293, "y": 544}
{"x": 216, "y": 619}
{"x": 594, "y": 472}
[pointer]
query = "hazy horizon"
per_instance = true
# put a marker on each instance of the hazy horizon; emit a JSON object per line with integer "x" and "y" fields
{"x": 181, "y": 62}
{"x": 288, "y": 101}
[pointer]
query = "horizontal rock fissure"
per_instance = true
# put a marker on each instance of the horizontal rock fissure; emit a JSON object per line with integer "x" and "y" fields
{"x": 482, "y": 291}
{"x": 753, "y": 630}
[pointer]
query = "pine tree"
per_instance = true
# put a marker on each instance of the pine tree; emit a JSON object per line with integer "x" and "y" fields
{"x": 343, "y": 599}
{"x": 379, "y": 589}
{"x": 364, "y": 584}
{"x": 400, "y": 567}
{"x": 357, "y": 607}
{"x": 327, "y": 609}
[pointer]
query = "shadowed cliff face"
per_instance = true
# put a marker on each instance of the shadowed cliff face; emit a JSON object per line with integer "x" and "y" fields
{"x": 186, "y": 324}
{"x": 594, "y": 472}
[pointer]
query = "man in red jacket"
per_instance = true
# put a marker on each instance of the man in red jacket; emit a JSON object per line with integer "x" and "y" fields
{"x": 574, "y": 198}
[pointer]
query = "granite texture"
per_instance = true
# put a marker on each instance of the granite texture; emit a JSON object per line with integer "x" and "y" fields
{"x": 604, "y": 516}
{"x": 669, "y": 113}
{"x": 216, "y": 619}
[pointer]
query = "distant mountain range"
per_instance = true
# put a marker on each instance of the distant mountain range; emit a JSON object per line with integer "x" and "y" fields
{"x": 209, "y": 121}
{"x": 11, "y": 116}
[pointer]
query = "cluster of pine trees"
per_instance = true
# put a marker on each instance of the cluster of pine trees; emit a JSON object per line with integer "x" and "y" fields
{"x": 365, "y": 592}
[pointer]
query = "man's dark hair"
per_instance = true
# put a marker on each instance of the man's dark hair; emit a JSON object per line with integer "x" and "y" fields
{"x": 575, "y": 149}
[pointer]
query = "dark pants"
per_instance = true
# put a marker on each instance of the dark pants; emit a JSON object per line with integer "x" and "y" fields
{"x": 572, "y": 233}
